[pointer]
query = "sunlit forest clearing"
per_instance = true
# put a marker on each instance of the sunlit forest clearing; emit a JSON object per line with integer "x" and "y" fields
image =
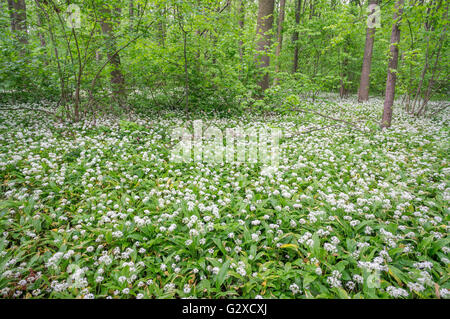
{"x": 224, "y": 149}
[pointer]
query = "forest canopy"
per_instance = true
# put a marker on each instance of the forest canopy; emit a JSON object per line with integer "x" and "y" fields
{"x": 92, "y": 56}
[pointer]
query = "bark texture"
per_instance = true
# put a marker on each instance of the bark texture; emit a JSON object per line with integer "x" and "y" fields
{"x": 264, "y": 25}
{"x": 279, "y": 36}
{"x": 392, "y": 69}
{"x": 117, "y": 78}
{"x": 18, "y": 16}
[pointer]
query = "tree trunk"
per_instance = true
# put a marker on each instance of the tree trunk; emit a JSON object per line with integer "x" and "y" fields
{"x": 343, "y": 89}
{"x": 392, "y": 69}
{"x": 241, "y": 28}
{"x": 279, "y": 37}
{"x": 364, "y": 83}
{"x": 298, "y": 7}
{"x": 264, "y": 25}
{"x": 18, "y": 15}
{"x": 162, "y": 25}
{"x": 117, "y": 78}
{"x": 40, "y": 19}
{"x": 12, "y": 15}
{"x": 427, "y": 96}
{"x": 428, "y": 27}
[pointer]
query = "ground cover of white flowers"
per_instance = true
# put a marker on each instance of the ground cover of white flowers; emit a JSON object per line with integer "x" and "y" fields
{"x": 99, "y": 211}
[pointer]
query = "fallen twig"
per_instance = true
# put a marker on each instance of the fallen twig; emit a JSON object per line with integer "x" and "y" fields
{"x": 439, "y": 110}
{"x": 294, "y": 108}
{"x": 319, "y": 129}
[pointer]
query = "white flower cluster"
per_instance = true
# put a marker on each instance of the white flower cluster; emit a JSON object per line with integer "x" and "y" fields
{"x": 396, "y": 292}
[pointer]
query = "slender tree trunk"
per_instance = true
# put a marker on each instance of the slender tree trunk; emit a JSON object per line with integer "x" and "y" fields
{"x": 241, "y": 22}
{"x": 342, "y": 88}
{"x": 40, "y": 20}
{"x": 186, "y": 73}
{"x": 185, "y": 55}
{"x": 392, "y": 69}
{"x": 425, "y": 66}
{"x": 117, "y": 78}
{"x": 264, "y": 25}
{"x": 364, "y": 83}
{"x": 52, "y": 38}
{"x": 429, "y": 27}
{"x": 422, "y": 77}
{"x": 279, "y": 37}
{"x": 162, "y": 26}
{"x": 427, "y": 96}
{"x": 298, "y": 7}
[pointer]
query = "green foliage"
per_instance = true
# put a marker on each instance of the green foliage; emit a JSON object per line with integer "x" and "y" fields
{"x": 216, "y": 67}
{"x": 103, "y": 212}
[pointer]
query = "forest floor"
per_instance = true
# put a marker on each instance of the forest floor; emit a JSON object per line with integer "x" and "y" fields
{"x": 101, "y": 211}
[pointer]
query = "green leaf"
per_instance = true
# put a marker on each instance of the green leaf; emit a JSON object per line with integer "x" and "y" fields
{"x": 222, "y": 274}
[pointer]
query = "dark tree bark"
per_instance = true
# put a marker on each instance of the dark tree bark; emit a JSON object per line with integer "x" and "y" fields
{"x": 298, "y": 7}
{"x": 364, "y": 83}
{"x": 117, "y": 78}
{"x": 18, "y": 15}
{"x": 279, "y": 37}
{"x": 392, "y": 69}
{"x": 264, "y": 25}
{"x": 12, "y": 15}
